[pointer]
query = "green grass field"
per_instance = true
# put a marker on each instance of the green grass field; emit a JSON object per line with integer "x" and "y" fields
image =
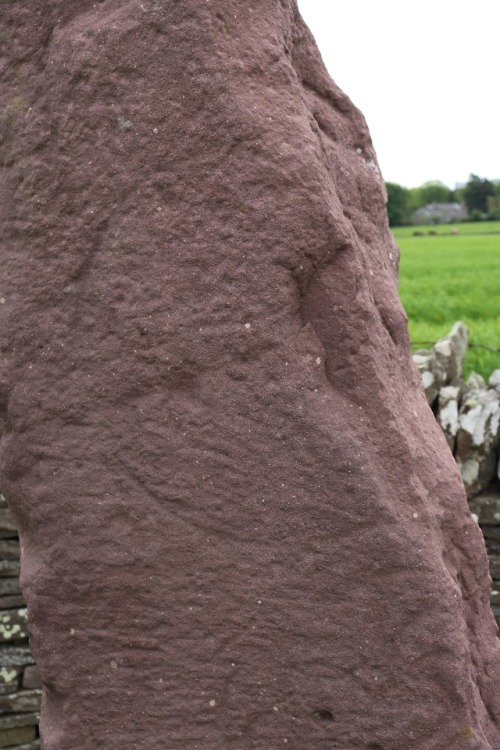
{"x": 446, "y": 278}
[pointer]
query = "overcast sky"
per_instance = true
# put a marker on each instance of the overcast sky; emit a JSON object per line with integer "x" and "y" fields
{"x": 425, "y": 75}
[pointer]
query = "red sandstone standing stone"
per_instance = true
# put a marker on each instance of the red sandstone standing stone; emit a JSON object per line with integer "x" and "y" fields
{"x": 241, "y": 525}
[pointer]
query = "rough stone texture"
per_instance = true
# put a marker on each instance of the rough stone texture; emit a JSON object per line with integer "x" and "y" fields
{"x": 240, "y": 522}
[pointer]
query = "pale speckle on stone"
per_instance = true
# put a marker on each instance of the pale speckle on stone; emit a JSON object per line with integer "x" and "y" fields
{"x": 124, "y": 124}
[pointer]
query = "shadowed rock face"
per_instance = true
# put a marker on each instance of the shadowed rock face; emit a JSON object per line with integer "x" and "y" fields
{"x": 241, "y": 525}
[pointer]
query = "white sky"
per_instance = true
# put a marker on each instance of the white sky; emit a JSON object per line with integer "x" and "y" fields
{"x": 426, "y": 75}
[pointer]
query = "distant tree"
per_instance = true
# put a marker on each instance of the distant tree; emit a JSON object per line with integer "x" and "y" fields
{"x": 476, "y": 194}
{"x": 459, "y": 194}
{"x": 494, "y": 204}
{"x": 397, "y": 204}
{"x": 435, "y": 192}
{"x": 429, "y": 192}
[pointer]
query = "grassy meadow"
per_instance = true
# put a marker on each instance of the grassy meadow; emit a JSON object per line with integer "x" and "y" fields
{"x": 445, "y": 278}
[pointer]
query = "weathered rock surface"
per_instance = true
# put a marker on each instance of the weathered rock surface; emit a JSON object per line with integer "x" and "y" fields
{"x": 241, "y": 526}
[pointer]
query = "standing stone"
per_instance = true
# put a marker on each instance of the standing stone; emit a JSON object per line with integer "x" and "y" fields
{"x": 240, "y": 523}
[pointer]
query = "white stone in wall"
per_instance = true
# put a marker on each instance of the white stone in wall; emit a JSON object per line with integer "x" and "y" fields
{"x": 447, "y": 415}
{"x": 475, "y": 382}
{"x": 478, "y": 438}
{"x": 494, "y": 381}
{"x": 431, "y": 379}
{"x": 450, "y": 353}
{"x": 442, "y": 365}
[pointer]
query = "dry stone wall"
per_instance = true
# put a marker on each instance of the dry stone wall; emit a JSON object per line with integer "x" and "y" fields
{"x": 469, "y": 415}
{"x": 468, "y": 412}
{"x": 485, "y": 510}
{"x": 20, "y": 685}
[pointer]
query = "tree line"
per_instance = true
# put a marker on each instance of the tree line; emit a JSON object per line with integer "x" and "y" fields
{"x": 480, "y": 196}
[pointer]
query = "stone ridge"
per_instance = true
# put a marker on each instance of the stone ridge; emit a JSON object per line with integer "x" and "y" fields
{"x": 241, "y": 525}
